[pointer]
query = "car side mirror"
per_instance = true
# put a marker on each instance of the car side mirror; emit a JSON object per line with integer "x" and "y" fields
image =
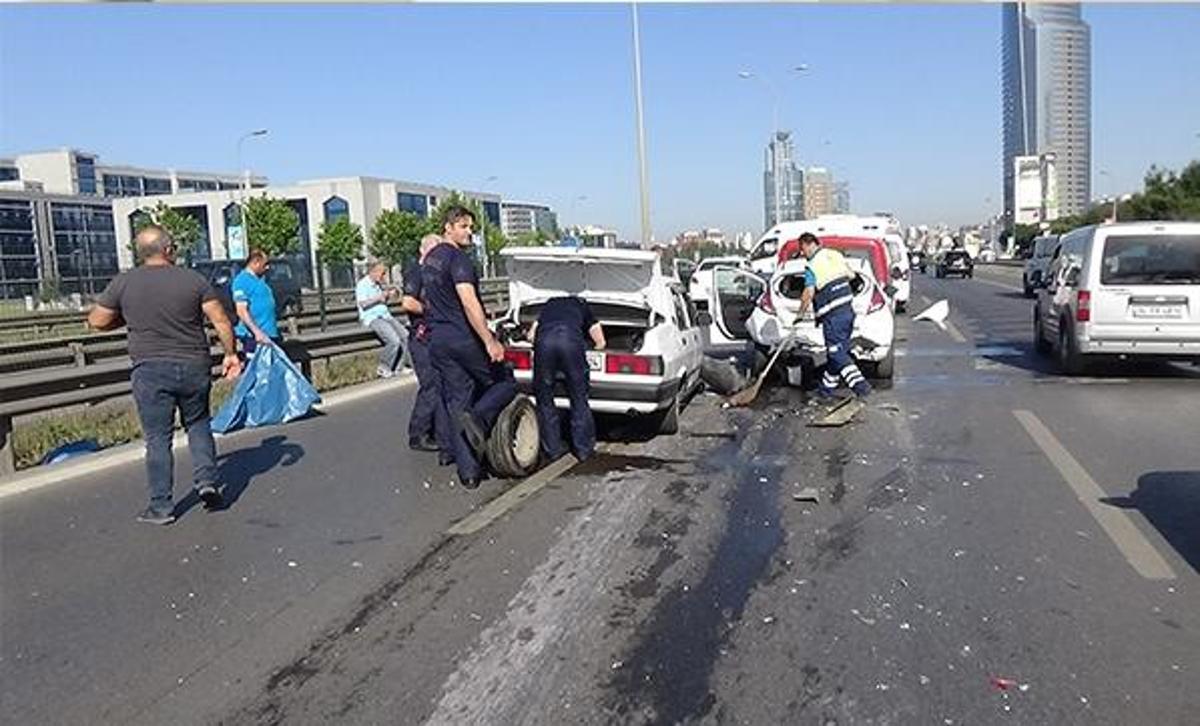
{"x": 704, "y": 318}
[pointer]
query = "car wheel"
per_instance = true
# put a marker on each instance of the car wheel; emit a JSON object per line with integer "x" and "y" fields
{"x": 1069, "y": 358}
{"x": 1040, "y": 344}
{"x": 885, "y": 368}
{"x": 668, "y": 421}
{"x": 512, "y": 448}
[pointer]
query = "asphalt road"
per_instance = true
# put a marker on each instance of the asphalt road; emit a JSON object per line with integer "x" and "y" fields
{"x": 993, "y": 544}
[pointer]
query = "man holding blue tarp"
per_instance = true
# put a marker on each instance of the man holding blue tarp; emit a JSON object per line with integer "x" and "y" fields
{"x": 255, "y": 303}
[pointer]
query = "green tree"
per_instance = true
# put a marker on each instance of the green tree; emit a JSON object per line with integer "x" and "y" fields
{"x": 535, "y": 238}
{"x": 271, "y": 225}
{"x": 396, "y": 236}
{"x": 184, "y": 228}
{"x": 340, "y": 242}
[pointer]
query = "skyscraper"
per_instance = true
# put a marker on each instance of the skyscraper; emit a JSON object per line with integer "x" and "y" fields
{"x": 783, "y": 192}
{"x": 1047, "y": 97}
{"x": 841, "y": 197}
{"x": 819, "y": 192}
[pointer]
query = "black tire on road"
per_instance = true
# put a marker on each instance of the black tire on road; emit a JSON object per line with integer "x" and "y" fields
{"x": 1040, "y": 344}
{"x": 884, "y": 369}
{"x": 1069, "y": 358}
{"x": 512, "y": 448}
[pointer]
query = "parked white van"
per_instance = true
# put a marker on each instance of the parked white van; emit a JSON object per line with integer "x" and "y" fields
{"x": 1128, "y": 289}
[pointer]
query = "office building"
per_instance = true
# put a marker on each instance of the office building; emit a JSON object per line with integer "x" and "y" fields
{"x": 361, "y": 199}
{"x": 783, "y": 182}
{"x": 1035, "y": 185}
{"x": 818, "y": 192}
{"x": 841, "y": 197}
{"x": 54, "y": 244}
{"x": 1046, "y": 78}
{"x": 77, "y": 173}
{"x": 518, "y": 218}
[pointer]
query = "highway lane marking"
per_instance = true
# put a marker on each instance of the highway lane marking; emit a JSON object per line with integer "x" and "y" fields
{"x": 994, "y": 283}
{"x": 497, "y": 508}
{"x": 955, "y": 335}
{"x": 1118, "y": 525}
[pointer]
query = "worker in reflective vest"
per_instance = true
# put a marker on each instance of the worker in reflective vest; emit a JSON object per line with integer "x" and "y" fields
{"x": 827, "y": 289}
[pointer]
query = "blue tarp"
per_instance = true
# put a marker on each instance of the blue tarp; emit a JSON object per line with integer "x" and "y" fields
{"x": 272, "y": 390}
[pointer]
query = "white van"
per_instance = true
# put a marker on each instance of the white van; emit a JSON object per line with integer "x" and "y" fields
{"x": 1128, "y": 289}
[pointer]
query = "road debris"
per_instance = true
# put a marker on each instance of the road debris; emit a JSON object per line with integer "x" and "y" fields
{"x": 1002, "y": 684}
{"x": 807, "y": 494}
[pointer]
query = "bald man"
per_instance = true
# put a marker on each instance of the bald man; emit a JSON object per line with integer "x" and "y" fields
{"x": 164, "y": 307}
{"x": 428, "y": 427}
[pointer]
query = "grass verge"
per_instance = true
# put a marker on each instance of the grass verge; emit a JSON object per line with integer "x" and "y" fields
{"x": 116, "y": 423}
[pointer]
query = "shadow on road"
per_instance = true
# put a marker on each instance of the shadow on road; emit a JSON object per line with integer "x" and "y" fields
{"x": 1169, "y": 500}
{"x": 1023, "y": 357}
{"x": 238, "y": 468}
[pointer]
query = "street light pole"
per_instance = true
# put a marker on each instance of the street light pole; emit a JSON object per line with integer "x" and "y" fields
{"x": 1114, "y": 194}
{"x": 241, "y": 168}
{"x": 641, "y": 128}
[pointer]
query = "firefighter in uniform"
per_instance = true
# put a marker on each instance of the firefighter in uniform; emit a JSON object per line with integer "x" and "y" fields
{"x": 560, "y": 346}
{"x": 827, "y": 289}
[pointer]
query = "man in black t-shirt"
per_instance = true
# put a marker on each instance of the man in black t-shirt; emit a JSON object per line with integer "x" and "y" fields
{"x": 428, "y": 429}
{"x": 164, "y": 307}
{"x": 476, "y": 385}
{"x": 560, "y": 346}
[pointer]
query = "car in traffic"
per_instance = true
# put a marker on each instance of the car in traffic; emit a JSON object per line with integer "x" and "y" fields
{"x": 282, "y": 277}
{"x": 651, "y": 365}
{"x": 1128, "y": 290}
{"x": 746, "y": 305}
{"x": 700, "y": 283}
{"x": 954, "y": 262}
{"x": 1042, "y": 251}
{"x": 917, "y": 260}
{"x": 899, "y": 270}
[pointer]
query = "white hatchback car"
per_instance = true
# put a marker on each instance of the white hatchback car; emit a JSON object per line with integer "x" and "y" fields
{"x": 651, "y": 365}
{"x": 746, "y": 306}
{"x": 1128, "y": 290}
{"x": 700, "y": 285}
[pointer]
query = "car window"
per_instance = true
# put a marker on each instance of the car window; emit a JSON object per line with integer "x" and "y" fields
{"x": 1151, "y": 260}
{"x": 681, "y": 316}
{"x": 767, "y": 248}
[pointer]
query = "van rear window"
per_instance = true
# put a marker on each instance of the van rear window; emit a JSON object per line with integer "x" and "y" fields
{"x": 1166, "y": 259}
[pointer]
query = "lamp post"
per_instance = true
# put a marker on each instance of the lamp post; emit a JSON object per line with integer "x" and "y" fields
{"x": 1114, "y": 194}
{"x": 643, "y": 191}
{"x": 775, "y": 170}
{"x": 241, "y": 168}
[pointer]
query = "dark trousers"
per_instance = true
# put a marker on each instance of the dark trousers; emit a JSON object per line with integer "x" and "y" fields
{"x": 559, "y": 350}
{"x": 838, "y": 326}
{"x": 470, "y": 383}
{"x": 159, "y": 388}
{"x": 428, "y": 418}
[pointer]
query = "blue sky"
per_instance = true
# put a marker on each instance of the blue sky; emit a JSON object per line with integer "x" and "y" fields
{"x": 907, "y": 97}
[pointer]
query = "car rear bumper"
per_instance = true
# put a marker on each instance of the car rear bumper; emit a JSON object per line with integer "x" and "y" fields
{"x": 1167, "y": 347}
{"x": 636, "y": 397}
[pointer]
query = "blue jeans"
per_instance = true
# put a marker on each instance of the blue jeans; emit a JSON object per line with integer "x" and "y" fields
{"x": 470, "y": 382}
{"x": 159, "y": 388}
{"x": 560, "y": 350}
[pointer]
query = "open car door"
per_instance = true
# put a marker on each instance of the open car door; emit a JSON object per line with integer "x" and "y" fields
{"x": 732, "y": 300}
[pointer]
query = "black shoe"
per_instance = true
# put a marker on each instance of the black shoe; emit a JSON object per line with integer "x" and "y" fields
{"x": 475, "y": 434}
{"x": 210, "y": 496}
{"x": 425, "y": 443}
{"x": 150, "y": 516}
{"x": 471, "y": 482}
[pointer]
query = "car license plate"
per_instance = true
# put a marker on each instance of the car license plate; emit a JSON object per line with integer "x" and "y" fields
{"x": 595, "y": 360}
{"x": 1158, "y": 311}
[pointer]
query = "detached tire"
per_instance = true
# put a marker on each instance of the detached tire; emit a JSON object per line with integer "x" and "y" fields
{"x": 886, "y": 368}
{"x": 512, "y": 448}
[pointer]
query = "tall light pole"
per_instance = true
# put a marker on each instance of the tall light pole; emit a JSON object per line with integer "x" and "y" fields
{"x": 1114, "y": 193}
{"x": 641, "y": 128}
{"x": 774, "y": 91}
{"x": 241, "y": 167}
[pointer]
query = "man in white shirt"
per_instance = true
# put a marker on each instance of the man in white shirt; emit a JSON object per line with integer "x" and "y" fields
{"x": 372, "y": 297}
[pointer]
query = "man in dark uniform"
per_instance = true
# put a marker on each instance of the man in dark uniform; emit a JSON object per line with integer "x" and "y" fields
{"x": 827, "y": 289}
{"x": 559, "y": 346}
{"x": 476, "y": 385}
{"x": 428, "y": 429}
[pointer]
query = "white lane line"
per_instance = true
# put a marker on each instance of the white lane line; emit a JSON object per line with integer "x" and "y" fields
{"x": 1012, "y": 288}
{"x": 496, "y": 508}
{"x": 955, "y": 335}
{"x": 1138, "y": 551}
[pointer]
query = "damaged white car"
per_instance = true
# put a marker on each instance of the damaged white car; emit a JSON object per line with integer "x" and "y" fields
{"x": 651, "y": 365}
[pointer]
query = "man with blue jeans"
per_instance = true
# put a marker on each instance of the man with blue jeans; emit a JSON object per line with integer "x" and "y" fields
{"x": 164, "y": 307}
{"x": 476, "y": 385}
{"x": 255, "y": 304}
{"x": 372, "y": 299}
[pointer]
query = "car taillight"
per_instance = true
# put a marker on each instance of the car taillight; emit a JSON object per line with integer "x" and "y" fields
{"x": 638, "y": 365}
{"x": 1083, "y": 306}
{"x": 765, "y": 303}
{"x": 878, "y": 301}
{"x": 521, "y": 360}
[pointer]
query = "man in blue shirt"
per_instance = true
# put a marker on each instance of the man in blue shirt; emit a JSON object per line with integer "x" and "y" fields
{"x": 372, "y": 299}
{"x": 476, "y": 385}
{"x": 428, "y": 429}
{"x": 560, "y": 346}
{"x": 255, "y": 305}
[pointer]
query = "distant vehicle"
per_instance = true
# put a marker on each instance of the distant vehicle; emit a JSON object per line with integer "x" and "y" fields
{"x": 281, "y": 277}
{"x": 954, "y": 262}
{"x": 1129, "y": 290}
{"x": 1043, "y": 249}
{"x": 987, "y": 254}
{"x": 917, "y": 260}
{"x": 700, "y": 283}
{"x": 651, "y": 365}
{"x": 900, "y": 272}
{"x": 764, "y": 254}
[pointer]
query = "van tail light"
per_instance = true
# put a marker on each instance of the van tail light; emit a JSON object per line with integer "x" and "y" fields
{"x": 765, "y": 303}
{"x": 878, "y": 301}
{"x": 637, "y": 365}
{"x": 1083, "y": 306}
{"x": 521, "y": 360}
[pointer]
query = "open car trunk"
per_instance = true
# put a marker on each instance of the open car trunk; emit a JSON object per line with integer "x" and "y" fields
{"x": 625, "y": 323}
